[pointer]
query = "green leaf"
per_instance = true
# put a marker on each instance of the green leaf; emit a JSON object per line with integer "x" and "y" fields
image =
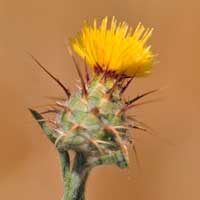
{"x": 116, "y": 157}
{"x": 43, "y": 124}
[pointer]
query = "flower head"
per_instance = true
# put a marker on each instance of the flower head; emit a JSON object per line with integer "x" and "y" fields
{"x": 116, "y": 48}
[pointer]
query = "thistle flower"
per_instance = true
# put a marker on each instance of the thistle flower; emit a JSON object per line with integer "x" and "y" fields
{"x": 116, "y": 48}
{"x": 93, "y": 122}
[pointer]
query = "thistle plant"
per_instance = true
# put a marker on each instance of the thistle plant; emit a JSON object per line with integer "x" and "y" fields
{"x": 93, "y": 121}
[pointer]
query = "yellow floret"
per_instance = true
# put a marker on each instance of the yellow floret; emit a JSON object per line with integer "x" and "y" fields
{"x": 116, "y": 48}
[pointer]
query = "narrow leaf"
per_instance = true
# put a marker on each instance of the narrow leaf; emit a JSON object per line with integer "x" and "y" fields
{"x": 43, "y": 124}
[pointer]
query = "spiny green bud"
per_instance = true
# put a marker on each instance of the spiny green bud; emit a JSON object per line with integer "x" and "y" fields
{"x": 93, "y": 124}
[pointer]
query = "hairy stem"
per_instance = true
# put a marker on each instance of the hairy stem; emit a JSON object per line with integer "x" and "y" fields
{"x": 74, "y": 179}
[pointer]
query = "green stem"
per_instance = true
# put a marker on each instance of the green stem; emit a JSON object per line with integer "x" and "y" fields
{"x": 65, "y": 162}
{"x": 75, "y": 179}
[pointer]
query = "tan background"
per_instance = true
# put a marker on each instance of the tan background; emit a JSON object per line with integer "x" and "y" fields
{"x": 29, "y": 167}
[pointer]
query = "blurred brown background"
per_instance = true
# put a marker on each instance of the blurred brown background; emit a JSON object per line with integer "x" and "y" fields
{"x": 29, "y": 166}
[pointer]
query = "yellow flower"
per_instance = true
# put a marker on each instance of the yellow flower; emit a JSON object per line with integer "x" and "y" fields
{"x": 116, "y": 48}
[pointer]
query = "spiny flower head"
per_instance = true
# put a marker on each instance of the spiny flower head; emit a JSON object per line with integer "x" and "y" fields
{"x": 94, "y": 119}
{"x": 117, "y": 49}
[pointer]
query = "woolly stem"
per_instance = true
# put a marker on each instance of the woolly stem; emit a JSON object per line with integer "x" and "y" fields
{"x": 75, "y": 179}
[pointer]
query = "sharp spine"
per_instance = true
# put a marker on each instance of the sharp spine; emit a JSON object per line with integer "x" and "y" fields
{"x": 66, "y": 90}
